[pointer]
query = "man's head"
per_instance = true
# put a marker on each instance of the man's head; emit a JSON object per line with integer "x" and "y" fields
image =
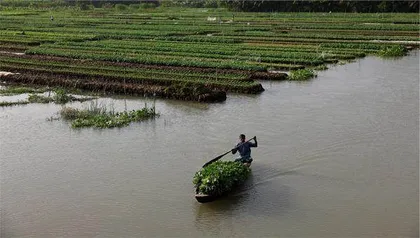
{"x": 242, "y": 137}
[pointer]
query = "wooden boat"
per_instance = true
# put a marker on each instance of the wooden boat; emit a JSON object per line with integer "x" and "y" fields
{"x": 203, "y": 198}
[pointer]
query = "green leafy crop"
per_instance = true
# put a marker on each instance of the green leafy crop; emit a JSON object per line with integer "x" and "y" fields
{"x": 220, "y": 177}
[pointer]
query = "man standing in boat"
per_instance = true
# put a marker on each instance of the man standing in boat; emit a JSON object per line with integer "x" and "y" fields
{"x": 244, "y": 148}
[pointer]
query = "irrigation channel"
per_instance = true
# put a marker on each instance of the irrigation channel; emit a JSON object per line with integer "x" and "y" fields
{"x": 338, "y": 157}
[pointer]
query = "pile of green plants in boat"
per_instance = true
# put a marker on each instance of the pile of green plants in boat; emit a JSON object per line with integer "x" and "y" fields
{"x": 100, "y": 117}
{"x": 220, "y": 177}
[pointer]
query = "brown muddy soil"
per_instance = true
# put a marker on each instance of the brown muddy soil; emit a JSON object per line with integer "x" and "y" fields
{"x": 269, "y": 76}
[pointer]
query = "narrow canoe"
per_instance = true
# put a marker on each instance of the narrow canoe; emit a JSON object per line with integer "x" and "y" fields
{"x": 203, "y": 198}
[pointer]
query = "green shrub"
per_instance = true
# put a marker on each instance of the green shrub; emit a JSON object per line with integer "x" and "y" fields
{"x": 107, "y": 5}
{"x": 12, "y": 90}
{"x": 220, "y": 177}
{"x": 120, "y": 7}
{"x": 211, "y": 3}
{"x": 134, "y": 6}
{"x": 8, "y": 104}
{"x": 147, "y": 5}
{"x": 85, "y": 6}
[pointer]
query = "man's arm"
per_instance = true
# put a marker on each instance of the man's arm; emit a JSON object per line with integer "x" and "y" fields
{"x": 254, "y": 144}
{"x": 234, "y": 150}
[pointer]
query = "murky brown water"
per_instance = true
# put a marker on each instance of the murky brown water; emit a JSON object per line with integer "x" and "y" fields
{"x": 338, "y": 157}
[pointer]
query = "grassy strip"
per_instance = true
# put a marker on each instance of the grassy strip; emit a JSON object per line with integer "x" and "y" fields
{"x": 149, "y": 59}
{"x": 99, "y": 69}
{"x": 227, "y": 85}
{"x": 268, "y": 50}
{"x": 60, "y": 97}
{"x": 198, "y": 49}
{"x": 100, "y": 117}
{"x": 220, "y": 177}
{"x": 9, "y": 104}
{"x": 13, "y": 90}
{"x": 253, "y": 56}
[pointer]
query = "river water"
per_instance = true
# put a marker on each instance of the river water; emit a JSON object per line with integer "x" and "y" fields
{"x": 337, "y": 157}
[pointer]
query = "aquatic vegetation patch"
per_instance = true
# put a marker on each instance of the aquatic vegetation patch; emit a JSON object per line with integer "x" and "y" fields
{"x": 220, "y": 177}
{"x": 392, "y": 51}
{"x": 100, "y": 117}
{"x": 301, "y": 74}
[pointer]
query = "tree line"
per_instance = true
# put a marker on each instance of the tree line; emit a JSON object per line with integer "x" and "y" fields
{"x": 240, "y": 5}
{"x": 323, "y": 6}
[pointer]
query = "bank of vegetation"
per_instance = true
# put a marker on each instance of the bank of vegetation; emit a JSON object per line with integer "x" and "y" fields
{"x": 197, "y": 54}
{"x": 9, "y": 104}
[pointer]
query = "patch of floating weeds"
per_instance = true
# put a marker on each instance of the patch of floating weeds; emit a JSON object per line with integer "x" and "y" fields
{"x": 392, "y": 51}
{"x": 301, "y": 74}
{"x": 100, "y": 117}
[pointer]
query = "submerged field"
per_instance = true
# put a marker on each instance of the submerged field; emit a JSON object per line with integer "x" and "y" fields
{"x": 188, "y": 54}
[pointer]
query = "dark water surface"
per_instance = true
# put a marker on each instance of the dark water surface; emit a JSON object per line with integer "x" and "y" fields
{"x": 338, "y": 157}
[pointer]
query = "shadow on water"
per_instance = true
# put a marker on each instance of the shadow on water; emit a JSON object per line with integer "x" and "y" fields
{"x": 258, "y": 196}
{"x": 186, "y": 105}
{"x": 242, "y": 96}
{"x": 210, "y": 218}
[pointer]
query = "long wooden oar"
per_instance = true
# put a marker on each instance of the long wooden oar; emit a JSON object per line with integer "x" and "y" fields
{"x": 220, "y": 156}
